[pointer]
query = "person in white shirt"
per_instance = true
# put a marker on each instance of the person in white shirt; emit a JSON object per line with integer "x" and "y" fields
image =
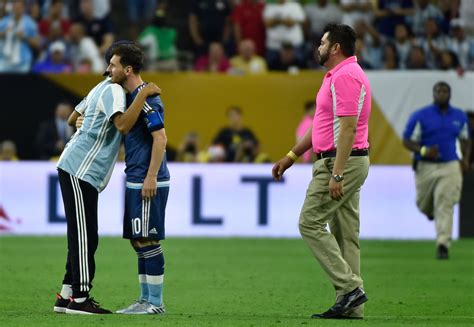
{"x": 461, "y": 44}
{"x": 319, "y": 13}
{"x": 356, "y": 10}
{"x": 284, "y": 22}
{"x": 84, "y": 49}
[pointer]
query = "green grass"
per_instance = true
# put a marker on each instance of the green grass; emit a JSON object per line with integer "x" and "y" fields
{"x": 242, "y": 282}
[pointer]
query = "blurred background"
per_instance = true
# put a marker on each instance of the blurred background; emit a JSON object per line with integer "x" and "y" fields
{"x": 226, "y": 69}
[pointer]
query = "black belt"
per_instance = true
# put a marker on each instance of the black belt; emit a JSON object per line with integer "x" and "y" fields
{"x": 332, "y": 153}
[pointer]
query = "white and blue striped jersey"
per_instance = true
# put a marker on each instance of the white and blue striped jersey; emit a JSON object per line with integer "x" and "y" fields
{"x": 91, "y": 153}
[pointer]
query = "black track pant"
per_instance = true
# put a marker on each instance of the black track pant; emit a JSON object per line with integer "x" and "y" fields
{"x": 80, "y": 205}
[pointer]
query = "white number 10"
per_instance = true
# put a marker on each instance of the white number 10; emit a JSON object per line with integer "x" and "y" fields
{"x": 136, "y": 225}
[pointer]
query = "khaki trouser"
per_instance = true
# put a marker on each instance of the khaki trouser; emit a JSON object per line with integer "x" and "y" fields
{"x": 338, "y": 251}
{"x": 438, "y": 189}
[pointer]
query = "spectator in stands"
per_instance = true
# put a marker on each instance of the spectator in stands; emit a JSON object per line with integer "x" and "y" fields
{"x": 391, "y": 13}
{"x": 319, "y": 13}
{"x": 55, "y": 133}
{"x": 288, "y": 60}
{"x": 304, "y": 125}
{"x": 371, "y": 50}
{"x": 188, "y": 150}
{"x": 403, "y": 41}
{"x": 209, "y": 21}
{"x": 450, "y": 10}
{"x": 215, "y": 61}
{"x": 141, "y": 10}
{"x": 100, "y": 29}
{"x": 423, "y": 11}
{"x": 390, "y": 56}
{"x": 249, "y": 152}
{"x": 247, "y": 62}
{"x": 101, "y": 8}
{"x": 55, "y": 61}
{"x": 434, "y": 43}
{"x": 140, "y": 14}
{"x": 247, "y": 18}
{"x": 18, "y": 40}
{"x": 466, "y": 13}
{"x": 284, "y": 22}
{"x": 416, "y": 58}
{"x": 159, "y": 41}
{"x": 84, "y": 50}
{"x": 460, "y": 44}
{"x": 360, "y": 53}
{"x": 233, "y": 135}
{"x": 448, "y": 60}
{"x": 8, "y": 151}
{"x": 54, "y": 26}
{"x": 356, "y": 10}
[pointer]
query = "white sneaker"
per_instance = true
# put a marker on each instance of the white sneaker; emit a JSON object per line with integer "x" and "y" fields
{"x": 139, "y": 307}
{"x": 154, "y": 310}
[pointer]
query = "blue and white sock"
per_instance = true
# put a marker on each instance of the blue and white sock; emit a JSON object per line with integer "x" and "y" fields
{"x": 142, "y": 275}
{"x": 155, "y": 269}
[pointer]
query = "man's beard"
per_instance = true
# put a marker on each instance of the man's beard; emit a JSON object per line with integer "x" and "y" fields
{"x": 322, "y": 58}
{"x": 119, "y": 79}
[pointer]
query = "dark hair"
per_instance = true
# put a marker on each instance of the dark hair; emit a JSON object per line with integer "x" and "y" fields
{"x": 442, "y": 83}
{"x": 344, "y": 35}
{"x": 130, "y": 55}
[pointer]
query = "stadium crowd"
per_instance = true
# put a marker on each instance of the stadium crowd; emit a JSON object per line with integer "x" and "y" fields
{"x": 225, "y": 36}
{"x": 233, "y": 36}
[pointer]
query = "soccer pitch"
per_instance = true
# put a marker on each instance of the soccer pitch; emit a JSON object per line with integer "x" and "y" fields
{"x": 242, "y": 282}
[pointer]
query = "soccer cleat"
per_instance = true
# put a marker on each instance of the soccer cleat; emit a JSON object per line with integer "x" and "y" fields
{"x": 442, "y": 252}
{"x": 88, "y": 307}
{"x": 138, "y": 307}
{"x": 343, "y": 304}
{"x": 154, "y": 310}
{"x": 61, "y": 304}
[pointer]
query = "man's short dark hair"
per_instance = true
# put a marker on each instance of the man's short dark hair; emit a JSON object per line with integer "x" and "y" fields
{"x": 442, "y": 83}
{"x": 130, "y": 55}
{"x": 344, "y": 35}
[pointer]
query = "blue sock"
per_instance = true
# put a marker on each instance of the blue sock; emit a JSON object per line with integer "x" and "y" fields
{"x": 142, "y": 275}
{"x": 155, "y": 269}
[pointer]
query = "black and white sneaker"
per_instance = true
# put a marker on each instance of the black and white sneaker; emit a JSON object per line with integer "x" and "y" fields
{"x": 343, "y": 304}
{"x": 61, "y": 304}
{"x": 155, "y": 310}
{"x": 88, "y": 307}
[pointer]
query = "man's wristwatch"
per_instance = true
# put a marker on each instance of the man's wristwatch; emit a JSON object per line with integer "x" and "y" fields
{"x": 338, "y": 178}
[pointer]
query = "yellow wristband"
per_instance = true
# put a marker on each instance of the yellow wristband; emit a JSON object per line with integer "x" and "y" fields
{"x": 292, "y": 155}
{"x": 423, "y": 151}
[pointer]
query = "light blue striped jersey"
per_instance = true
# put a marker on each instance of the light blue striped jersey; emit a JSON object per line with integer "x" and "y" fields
{"x": 91, "y": 153}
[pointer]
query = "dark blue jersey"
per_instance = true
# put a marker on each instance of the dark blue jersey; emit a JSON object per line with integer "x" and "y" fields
{"x": 138, "y": 142}
{"x": 429, "y": 126}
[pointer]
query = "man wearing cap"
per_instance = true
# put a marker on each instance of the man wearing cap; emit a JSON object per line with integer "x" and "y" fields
{"x": 55, "y": 62}
{"x": 84, "y": 170}
{"x": 339, "y": 138}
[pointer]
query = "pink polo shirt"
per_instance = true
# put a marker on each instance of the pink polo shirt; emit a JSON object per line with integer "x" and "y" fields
{"x": 345, "y": 92}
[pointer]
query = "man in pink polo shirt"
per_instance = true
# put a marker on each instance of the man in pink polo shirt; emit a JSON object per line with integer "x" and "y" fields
{"x": 339, "y": 137}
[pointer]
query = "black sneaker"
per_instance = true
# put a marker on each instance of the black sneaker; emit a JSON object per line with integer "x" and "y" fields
{"x": 343, "y": 304}
{"x": 61, "y": 304}
{"x": 88, "y": 307}
{"x": 442, "y": 252}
